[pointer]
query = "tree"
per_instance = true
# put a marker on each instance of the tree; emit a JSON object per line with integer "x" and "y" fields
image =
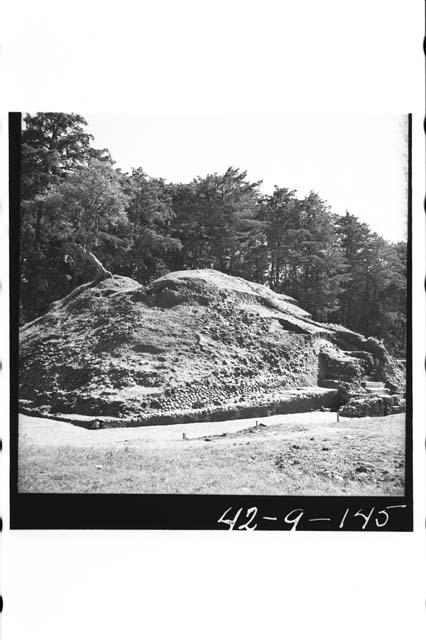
{"x": 322, "y": 263}
{"x": 53, "y": 145}
{"x": 283, "y": 229}
{"x": 151, "y": 243}
{"x": 306, "y": 259}
{"x": 215, "y": 220}
{"x": 355, "y": 238}
{"x": 188, "y": 226}
{"x": 374, "y": 299}
{"x": 89, "y": 203}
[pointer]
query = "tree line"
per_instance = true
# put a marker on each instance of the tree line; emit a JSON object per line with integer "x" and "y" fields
{"x": 78, "y": 212}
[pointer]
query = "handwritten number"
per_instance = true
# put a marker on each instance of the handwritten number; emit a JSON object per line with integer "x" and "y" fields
{"x": 342, "y": 522}
{"x": 231, "y": 523}
{"x": 383, "y": 524}
{"x": 294, "y": 520}
{"x": 366, "y": 517}
{"x": 253, "y": 512}
{"x": 294, "y": 517}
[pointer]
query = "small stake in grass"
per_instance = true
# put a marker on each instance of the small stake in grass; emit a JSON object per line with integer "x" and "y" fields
{"x": 184, "y": 436}
{"x": 338, "y": 415}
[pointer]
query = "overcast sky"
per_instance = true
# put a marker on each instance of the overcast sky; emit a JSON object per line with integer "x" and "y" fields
{"x": 355, "y": 163}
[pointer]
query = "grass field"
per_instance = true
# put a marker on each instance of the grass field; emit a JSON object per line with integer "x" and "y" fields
{"x": 354, "y": 457}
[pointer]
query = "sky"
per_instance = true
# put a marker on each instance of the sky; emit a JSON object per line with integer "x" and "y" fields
{"x": 354, "y": 162}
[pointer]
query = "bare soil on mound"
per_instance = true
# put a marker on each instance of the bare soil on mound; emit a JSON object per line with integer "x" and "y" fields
{"x": 191, "y": 341}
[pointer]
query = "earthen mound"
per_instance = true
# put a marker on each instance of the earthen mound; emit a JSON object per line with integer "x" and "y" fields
{"x": 193, "y": 345}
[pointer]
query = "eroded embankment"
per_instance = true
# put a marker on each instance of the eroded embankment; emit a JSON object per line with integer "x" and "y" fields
{"x": 297, "y": 401}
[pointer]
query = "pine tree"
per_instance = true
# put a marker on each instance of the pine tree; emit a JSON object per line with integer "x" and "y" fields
{"x": 216, "y": 217}
{"x": 306, "y": 258}
{"x": 283, "y": 231}
{"x": 374, "y": 300}
{"x": 52, "y": 146}
{"x": 152, "y": 246}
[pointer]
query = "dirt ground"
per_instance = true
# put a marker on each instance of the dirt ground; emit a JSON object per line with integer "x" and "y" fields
{"x": 299, "y": 454}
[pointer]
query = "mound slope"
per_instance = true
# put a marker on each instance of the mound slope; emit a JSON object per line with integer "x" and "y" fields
{"x": 192, "y": 345}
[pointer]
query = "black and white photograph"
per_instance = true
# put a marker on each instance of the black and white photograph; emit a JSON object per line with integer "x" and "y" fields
{"x": 212, "y": 346}
{"x": 213, "y": 305}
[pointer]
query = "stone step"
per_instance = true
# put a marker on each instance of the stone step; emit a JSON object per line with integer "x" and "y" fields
{"x": 330, "y": 383}
{"x": 369, "y": 384}
{"x": 379, "y": 392}
{"x": 374, "y": 385}
{"x": 361, "y": 355}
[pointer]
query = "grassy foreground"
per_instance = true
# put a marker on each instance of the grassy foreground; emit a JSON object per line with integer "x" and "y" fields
{"x": 355, "y": 457}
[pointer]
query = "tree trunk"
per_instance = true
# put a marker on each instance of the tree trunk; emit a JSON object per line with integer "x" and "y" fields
{"x": 38, "y": 225}
{"x": 101, "y": 272}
